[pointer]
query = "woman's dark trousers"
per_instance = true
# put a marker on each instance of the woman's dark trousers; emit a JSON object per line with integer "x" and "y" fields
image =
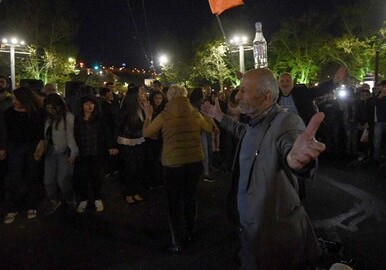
{"x": 181, "y": 186}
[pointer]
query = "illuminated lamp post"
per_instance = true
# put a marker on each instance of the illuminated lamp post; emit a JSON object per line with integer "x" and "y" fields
{"x": 12, "y": 44}
{"x": 241, "y": 43}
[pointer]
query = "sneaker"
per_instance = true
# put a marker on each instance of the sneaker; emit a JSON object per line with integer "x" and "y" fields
{"x": 10, "y": 217}
{"x": 52, "y": 207}
{"x": 130, "y": 200}
{"x": 81, "y": 207}
{"x": 208, "y": 178}
{"x": 137, "y": 198}
{"x": 99, "y": 205}
{"x": 31, "y": 213}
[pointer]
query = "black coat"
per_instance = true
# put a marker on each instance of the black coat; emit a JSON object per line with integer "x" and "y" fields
{"x": 104, "y": 138}
{"x": 304, "y": 98}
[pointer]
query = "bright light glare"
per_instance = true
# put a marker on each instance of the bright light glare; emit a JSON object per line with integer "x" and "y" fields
{"x": 238, "y": 40}
{"x": 163, "y": 60}
{"x": 13, "y": 41}
{"x": 342, "y": 93}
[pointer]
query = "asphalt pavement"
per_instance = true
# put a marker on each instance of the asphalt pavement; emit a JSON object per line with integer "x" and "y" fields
{"x": 346, "y": 204}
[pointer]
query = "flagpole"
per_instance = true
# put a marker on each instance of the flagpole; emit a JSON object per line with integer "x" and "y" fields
{"x": 224, "y": 36}
{"x": 222, "y": 29}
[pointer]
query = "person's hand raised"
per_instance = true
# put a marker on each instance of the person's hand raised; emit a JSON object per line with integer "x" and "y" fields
{"x": 306, "y": 148}
{"x": 148, "y": 109}
{"x": 340, "y": 74}
{"x": 213, "y": 111}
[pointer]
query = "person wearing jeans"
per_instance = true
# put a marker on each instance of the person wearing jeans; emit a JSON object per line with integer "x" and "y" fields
{"x": 61, "y": 152}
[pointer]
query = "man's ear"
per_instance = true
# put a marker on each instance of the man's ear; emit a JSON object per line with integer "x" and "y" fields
{"x": 267, "y": 95}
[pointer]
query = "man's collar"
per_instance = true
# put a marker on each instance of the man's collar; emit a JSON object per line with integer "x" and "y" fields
{"x": 261, "y": 117}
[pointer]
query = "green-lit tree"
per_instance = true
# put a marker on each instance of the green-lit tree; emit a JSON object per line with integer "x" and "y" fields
{"x": 49, "y": 27}
{"x": 296, "y": 46}
{"x": 176, "y": 72}
{"x": 381, "y": 46}
{"x": 360, "y": 39}
{"x": 47, "y": 66}
{"x": 210, "y": 64}
{"x": 352, "y": 52}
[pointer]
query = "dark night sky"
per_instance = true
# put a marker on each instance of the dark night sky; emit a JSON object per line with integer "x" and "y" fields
{"x": 107, "y": 34}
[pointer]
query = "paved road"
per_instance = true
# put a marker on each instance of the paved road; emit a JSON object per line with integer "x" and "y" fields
{"x": 345, "y": 204}
{"x": 348, "y": 205}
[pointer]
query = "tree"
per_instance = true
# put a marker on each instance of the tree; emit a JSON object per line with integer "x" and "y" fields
{"x": 296, "y": 46}
{"x": 49, "y": 27}
{"x": 382, "y": 51}
{"x": 209, "y": 63}
{"x": 360, "y": 18}
{"x": 352, "y": 52}
{"x": 362, "y": 37}
{"x": 46, "y": 65}
{"x": 176, "y": 72}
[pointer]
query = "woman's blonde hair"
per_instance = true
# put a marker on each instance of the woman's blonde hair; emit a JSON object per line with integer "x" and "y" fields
{"x": 176, "y": 91}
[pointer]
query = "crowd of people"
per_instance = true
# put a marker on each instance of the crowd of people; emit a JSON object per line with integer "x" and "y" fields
{"x": 354, "y": 125}
{"x": 69, "y": 144}
{"x": 257, "y": 131}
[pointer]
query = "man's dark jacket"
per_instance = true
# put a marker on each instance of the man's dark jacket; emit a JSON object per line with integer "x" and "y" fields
{"x": 304, "y": 98}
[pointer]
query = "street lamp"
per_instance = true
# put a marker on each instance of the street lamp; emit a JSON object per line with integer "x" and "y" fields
{"x": 163, "y": 60}
{"x": 12, "y": 44}
{"x": 241, "y": 43}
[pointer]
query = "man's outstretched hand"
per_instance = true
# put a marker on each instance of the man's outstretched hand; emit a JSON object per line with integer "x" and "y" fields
{"x": 212, "y": 111}
{"x": 306, "y": 148}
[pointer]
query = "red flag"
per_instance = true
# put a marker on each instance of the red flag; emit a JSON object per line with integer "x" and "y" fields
{"x": 218, "y": 6}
